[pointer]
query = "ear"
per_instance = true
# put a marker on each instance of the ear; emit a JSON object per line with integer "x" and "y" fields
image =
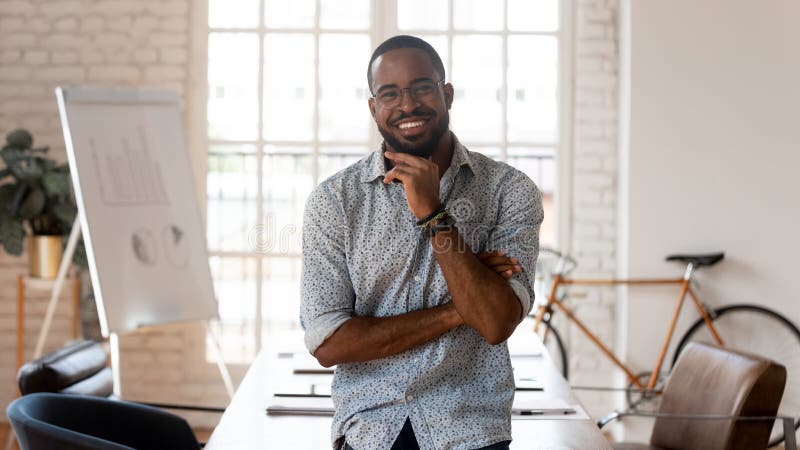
{"x": 371, "y": 103}
{"x": 448, "y": 94}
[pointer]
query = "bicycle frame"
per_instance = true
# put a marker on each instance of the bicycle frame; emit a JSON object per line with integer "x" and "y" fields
{"x": 685, "y": 288}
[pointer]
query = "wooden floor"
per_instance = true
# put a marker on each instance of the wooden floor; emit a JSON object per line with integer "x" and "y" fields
{"x": 4, "y": 429}
{"x": 202, "y": 435}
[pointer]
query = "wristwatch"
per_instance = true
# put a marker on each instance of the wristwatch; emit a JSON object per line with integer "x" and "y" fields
{"x": 445, "y": 224}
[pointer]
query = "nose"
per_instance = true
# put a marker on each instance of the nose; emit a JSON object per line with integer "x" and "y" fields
{"x": 408, "y": 102}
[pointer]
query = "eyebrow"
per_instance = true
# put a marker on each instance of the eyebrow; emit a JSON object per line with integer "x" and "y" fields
{"x": 387, "y": 86}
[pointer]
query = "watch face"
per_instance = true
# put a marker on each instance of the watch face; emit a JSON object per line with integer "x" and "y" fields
{"x": 445, "y": 224}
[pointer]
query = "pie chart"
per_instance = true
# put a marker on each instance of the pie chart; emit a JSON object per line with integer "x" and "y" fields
{"x": 175, "y": 245}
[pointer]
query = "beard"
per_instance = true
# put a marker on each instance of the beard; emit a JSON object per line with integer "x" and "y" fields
{"x": 421, "y": 148}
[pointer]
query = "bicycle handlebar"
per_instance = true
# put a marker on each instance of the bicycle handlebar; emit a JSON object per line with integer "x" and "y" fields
{"x": 566, "y": 263}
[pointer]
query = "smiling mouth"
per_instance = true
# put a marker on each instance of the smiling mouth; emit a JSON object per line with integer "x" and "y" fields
{"x": 413, "y": 128}
{"x": 407, "y": 125}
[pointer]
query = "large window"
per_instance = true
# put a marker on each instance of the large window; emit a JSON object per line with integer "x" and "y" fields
{"x": 287, "y": 107}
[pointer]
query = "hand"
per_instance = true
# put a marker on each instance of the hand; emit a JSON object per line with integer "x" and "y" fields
{"x": 505, "y": 266}
{"x": 420, "y": 179}
{"x": 450, "y": 307}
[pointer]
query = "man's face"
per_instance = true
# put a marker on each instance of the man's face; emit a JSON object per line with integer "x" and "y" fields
{"x": 415, "y": 126}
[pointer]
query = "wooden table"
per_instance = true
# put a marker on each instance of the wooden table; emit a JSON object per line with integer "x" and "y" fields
{"x": 246, "y": 426}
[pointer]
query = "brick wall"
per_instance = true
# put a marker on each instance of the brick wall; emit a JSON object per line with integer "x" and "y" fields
{"x": 96, "y": 42}
{"x": 594, "y": 188}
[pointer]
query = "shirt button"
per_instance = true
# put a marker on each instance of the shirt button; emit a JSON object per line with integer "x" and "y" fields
{"x": 416, "y": 360}
{"x": 409, "y": 397}
{"x": 417, "y": 278}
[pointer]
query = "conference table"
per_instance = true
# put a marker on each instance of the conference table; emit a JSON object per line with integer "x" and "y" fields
{"x": 245, "y": 424}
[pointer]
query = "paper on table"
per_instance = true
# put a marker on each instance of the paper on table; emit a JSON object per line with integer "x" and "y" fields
{"x": 526, "y": 407}
{"x": 298, "y": 388}
{"x": 580, "y": 414}
{"x": 523, "y": 409}
{"x": 301, "y": 406}
{"x": 528, "y": 384}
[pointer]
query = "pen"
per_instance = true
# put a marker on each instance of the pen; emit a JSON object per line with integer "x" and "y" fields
{"x": 299, "y": 395}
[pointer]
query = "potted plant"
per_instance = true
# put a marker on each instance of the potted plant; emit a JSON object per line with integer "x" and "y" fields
{"x": 35, "y": 200}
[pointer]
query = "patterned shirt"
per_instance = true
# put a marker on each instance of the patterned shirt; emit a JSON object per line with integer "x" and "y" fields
{"x": 364, "y": 255}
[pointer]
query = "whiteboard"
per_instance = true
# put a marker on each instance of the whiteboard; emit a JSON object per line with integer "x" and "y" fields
{"x": 139, "y": 213}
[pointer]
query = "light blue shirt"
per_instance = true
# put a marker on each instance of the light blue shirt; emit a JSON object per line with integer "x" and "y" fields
{"x": 364, "y": 255}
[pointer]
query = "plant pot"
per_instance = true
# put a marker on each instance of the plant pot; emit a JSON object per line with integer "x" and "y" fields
{"x": 44, "y": 256}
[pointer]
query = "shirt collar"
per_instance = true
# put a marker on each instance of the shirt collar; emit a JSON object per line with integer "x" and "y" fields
{"x": 376, "y": 165}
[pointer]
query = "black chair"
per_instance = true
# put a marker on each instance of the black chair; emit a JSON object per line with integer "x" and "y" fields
{"x": 44, "y": 421}
{"x": 79, "y": 368}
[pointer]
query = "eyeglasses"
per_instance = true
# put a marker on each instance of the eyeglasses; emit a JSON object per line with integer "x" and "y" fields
{"x": 391, "y": 97}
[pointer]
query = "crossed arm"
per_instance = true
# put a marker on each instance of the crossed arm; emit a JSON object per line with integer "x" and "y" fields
{"x": 368, "y": 338}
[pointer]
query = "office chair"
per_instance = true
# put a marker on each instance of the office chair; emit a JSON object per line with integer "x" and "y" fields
{"x": 74, "y": 422}
{"x": 707, "y": 398}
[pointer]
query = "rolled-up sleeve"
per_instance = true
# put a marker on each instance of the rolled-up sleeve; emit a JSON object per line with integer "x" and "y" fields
{"x": 517, "y": 233}
{"x": 326, "y": 291}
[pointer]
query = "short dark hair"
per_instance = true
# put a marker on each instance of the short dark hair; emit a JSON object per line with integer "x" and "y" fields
{"x": 405, "y": 41}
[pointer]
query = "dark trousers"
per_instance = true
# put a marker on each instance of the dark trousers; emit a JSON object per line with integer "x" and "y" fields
{"x": 407, "y": 441}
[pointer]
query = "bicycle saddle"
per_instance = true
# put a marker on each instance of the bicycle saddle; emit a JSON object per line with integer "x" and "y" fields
{"x": 706, "y": 259}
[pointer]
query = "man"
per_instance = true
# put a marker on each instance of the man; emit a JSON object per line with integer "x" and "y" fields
{"x": 392, "y": 290}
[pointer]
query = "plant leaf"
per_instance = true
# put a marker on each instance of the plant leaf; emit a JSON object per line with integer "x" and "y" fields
{"x": 65, "y": 212}
{"x": 7, "y": 197}
{"x": 12, "y": 156}
{"x": 33, "y": 204}
{"x": 40, "y": 149}
{"x": 28, "y": 171}
{"x": 19, "y": 194}
{"x": 19, "y": 138}
{"x": 12, "y": 235}
{"x": 79, "y": 257}
{"x": 46, "y": 164}
{"x": 56, "y": 183}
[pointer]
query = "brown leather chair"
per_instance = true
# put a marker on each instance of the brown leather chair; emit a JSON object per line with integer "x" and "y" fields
{"x": 711, "y": 381}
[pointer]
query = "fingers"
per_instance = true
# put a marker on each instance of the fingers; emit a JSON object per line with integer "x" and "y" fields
{"x": 484, "y": 255}
{"x": 506, "y": 267}
{"x": 500, "y": 260}
{"x": 500, "y": 263}
{"x": 495, "y": 258}
{"x": 400, "y": 173}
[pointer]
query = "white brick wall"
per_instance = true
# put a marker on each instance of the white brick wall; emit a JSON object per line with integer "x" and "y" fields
{"x": 75, "y": 42}
{"x": 594, "y": 185}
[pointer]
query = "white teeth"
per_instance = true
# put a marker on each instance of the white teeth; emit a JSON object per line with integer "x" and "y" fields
{"x": 411, "y": 124}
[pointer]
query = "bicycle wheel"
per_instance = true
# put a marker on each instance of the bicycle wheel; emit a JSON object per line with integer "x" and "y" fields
{"x": 760, "y": 331}
{"x": 555, "y": 347}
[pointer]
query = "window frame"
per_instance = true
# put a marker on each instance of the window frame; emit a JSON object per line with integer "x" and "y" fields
{"x": 383, "y": 25}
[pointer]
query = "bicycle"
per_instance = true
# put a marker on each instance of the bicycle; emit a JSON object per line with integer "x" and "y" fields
{"x": 748, "y": 327}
